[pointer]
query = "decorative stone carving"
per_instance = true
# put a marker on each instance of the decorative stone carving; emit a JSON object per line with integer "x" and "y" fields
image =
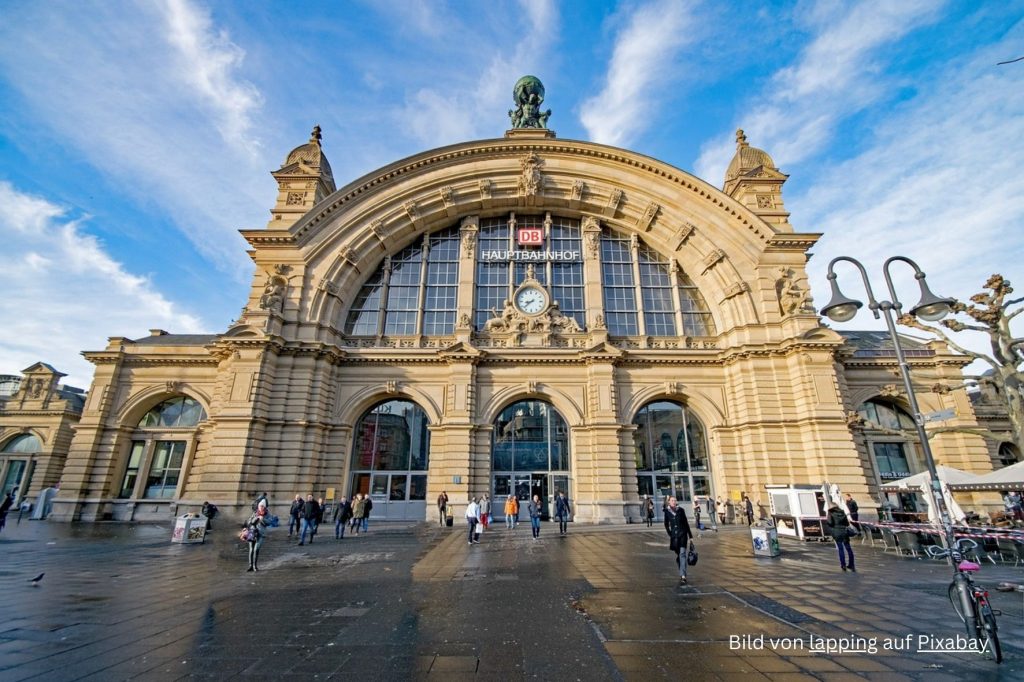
{"x": 634, "y": 242}
{"x": 673, "y": 388}
{"x": 577, "y": 190}
{"x": 349, "y": 254}
{"x": 793, "y": 298}
{"x": 34, "y": 388}
{"x": 273, "y": 294}
{"x": 614, "y": 199}
{"x": 391, "y": 387}
{"x": 448, "y": 196}
{"x": 854, "y": 420}
{"x": 173, "y": 386}
{"x": 295, "y": 199}
{"x": 528, "y": 94}
{"x": 712, "y": 259}
{"x": 486, "y": 189}
{"x": 282, "y": 269}
{"x": 328, "y": 287}
{"x": 560, "y": 323}
{"x": 468, "y": 243}
{"x": 599, "y": 321}
{"x": 890, "y": 391}
{"x": 735, "y": 290}
{"x": 764, "y": 201}
{"x": 683, "y": 233}
{"x": 645, "y": 220}
{"x": 531, "y": 386}
{"x": 377, "y": 227}
{"x": 592, "y": 240}
{"x": 510, "y": 319}
{"x": 465, "y": 321}
{"x": 531, "y": 181}
{"x": 411, "y": 210}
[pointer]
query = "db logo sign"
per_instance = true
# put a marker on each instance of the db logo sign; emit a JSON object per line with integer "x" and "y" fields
{"x": 530, "y": 236}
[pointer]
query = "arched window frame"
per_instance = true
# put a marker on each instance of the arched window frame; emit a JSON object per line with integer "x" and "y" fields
{"x": 888, "y": 451}
{"x": 17, "y": 460}
{"x": 413, "y": 476}
{"x": 160, "y": 450}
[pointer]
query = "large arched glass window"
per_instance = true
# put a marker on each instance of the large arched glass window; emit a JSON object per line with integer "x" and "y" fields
{"x": 671, "y": 453}
{"x": 1008, "y": 454}
{"x": 161, "y": 443}
{"x": 530, "y": 452}
{"x": 892, "y": 454}
{"x": 392, "y": 298}
{"x": 14, "y": 462}
{"x": 645, "y": 294}
{"x": 390, "y": 454}
{"x": 497, "y": 279}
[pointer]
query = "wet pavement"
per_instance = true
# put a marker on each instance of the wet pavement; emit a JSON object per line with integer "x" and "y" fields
{"x": 415, "y": 601}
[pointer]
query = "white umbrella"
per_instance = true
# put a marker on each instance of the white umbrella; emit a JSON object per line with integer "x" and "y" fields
{"x": 1007, "y": 478}
{"x": 922, "y": 482}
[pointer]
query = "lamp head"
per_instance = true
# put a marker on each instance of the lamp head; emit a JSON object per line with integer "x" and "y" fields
{"x": 930, "y": 308}
{"x": 840, "y": 308}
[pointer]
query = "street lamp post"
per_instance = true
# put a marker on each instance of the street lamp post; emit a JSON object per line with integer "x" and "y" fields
{"x": 930, "y": 308}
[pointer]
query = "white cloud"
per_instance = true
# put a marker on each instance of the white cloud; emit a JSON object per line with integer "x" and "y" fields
{"x": 208, "y": 62}
{"x": 64, "y": 293}
{"x": 835, "y": 75}
{"x": 939, "y": 182}
{"x": 642, "y": 60}
{"x": 466, "y": 112}
{"x": 152, "y": 97}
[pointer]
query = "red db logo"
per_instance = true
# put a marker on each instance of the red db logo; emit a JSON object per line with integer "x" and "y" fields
{"x": 530, "y": 236}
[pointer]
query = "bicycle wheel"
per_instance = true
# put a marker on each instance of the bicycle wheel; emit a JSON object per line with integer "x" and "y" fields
{"x": 988, "y": 623}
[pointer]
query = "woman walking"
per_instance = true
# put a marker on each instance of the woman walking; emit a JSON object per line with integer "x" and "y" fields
{"x": 648, "y": 511}
{"x": 254, "y": 532}
{"x": 839, "y": 526}
{"x": 358, "y": 511}
{"x": 678, "y": 529}
{"x": 536, "y": 509}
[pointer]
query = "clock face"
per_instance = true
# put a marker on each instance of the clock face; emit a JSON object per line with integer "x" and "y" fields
{"x": 531, "y": 300}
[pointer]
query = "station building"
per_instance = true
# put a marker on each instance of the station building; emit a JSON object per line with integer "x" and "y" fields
{"x": 518, "y": 315}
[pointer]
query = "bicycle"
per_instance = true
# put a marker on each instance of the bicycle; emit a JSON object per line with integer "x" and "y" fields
{"x": 970, "y": 601}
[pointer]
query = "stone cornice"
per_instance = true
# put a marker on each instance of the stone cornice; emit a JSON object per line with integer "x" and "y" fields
{"x": 793, "y": 241}
{"x": 468, "y": 151}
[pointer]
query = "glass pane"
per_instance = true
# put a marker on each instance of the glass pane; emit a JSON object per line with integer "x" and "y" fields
{"x": 191, "y": 413}
{"x": 392, "y": 437}
{"x": 25, "y": 443}
{"x": 697, "y": 443}
{"x": 170, "y": 411}
{"x": 664, "y": 485}
{"x": 398, "y": 485}
{"x": 701, "y": 486}
{"x": 644, "y": 485}
{"x": 380, "y": 485}
{"x": 561, "y": 484}
{"x": 14, "y": 471}
{"x": 131, "y": 474}
{"x": 177, "y": 454}
{"x": 502, "y": 486}
{"x": 418, "y": 487}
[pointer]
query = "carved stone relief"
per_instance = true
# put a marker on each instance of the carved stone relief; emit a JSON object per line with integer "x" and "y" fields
{"x": 712, "y": 259}
{"x": 645, "y": 220}
{"x": 793, "y": 297}
{"x": 531, "y": 181}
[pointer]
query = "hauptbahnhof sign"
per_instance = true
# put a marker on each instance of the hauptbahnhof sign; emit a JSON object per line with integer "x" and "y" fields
{"x": 528, "y": 255}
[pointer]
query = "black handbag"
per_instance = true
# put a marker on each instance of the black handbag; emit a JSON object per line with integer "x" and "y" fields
{"x": 691, "y": 555}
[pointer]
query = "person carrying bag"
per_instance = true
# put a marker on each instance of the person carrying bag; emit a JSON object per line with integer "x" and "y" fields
{"x": 678, "y": 529}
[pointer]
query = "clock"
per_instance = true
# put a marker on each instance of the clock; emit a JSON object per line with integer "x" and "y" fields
{"x": 531, "y": 300}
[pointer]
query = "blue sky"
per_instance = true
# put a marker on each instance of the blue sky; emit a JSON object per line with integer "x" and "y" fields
{"x": 137, "y": 138}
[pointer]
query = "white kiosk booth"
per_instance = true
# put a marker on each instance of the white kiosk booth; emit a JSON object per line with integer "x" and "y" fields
{"x": 798, "y": 510}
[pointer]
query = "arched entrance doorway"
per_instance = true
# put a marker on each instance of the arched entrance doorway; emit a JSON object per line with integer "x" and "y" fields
{"x": 670, "y": 448}
{"x": 390, "y": 456}
{"x": 529, "y": 455}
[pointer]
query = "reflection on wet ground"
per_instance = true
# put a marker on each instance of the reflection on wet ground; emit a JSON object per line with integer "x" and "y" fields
{"x": 409, "y": 601}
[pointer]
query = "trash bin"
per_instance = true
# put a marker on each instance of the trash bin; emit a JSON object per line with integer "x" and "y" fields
{"x": 189, "y": 528}
{"x": 449, "y": 519}
{"x": 765, "y": 539}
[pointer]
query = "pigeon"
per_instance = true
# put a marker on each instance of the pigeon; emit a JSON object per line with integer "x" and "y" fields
{"x": 35, "y": 581}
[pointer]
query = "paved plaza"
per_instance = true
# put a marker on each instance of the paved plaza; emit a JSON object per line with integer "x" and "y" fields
{"x": 414, "y": 601}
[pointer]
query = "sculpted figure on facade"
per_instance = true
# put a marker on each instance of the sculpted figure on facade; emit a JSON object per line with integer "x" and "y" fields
{"x": 510, "y": 319}
{"x": 528, "y": 94}
{"x": 561, "y": 323}
{"x": 531, "y": 180}
{"x": 793, "y": 298}
{"x": 273, "y": 295}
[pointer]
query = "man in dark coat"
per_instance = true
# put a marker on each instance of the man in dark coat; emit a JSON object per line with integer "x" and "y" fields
{"x": 310, "y": 513}
{"x": 342, "y": 514}
{"x": 366, "y": 513}
{"x": 295, "y": 514}
{"x": 851, "y": 504}
{"x": 839, "y": 527}
{"x": 678, "y": 529}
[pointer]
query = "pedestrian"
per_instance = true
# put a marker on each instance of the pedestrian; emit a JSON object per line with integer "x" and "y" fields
{"x": 209, "y": 511}
{"x": 851, "y": 505}
{"x": 263, "y": 497}
{"x": 295, "y": 515}
{"x": 762, "y": 512}
{"x": 254, "y": 532}
{"x": 511, "y": 512}
{"x": 367, "y": 506}
{"x": 321, "y": 509}
{"x": 648, "y": 510}
{"x": 5, "y": 506}
{"x": 839, "y": 526}
{"x": 342, "y": 513}
{"x": 678, "y": 529}
{"x": 536, "y": 509}
{"x": 562, "y": 512}
{"x": 696, "y": 514}
{"x": 748, "y": 507}
{"x": 720, "y": 509}
{"x": 358, "y": 509}
{"x": 442, "y": 507}
{"x": 472, "y": 518}
{"x": 310, "y": 513}
{"x": 485, "y": 510}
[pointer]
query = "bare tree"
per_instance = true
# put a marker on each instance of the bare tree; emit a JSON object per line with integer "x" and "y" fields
{"x": 989, "y": 313}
